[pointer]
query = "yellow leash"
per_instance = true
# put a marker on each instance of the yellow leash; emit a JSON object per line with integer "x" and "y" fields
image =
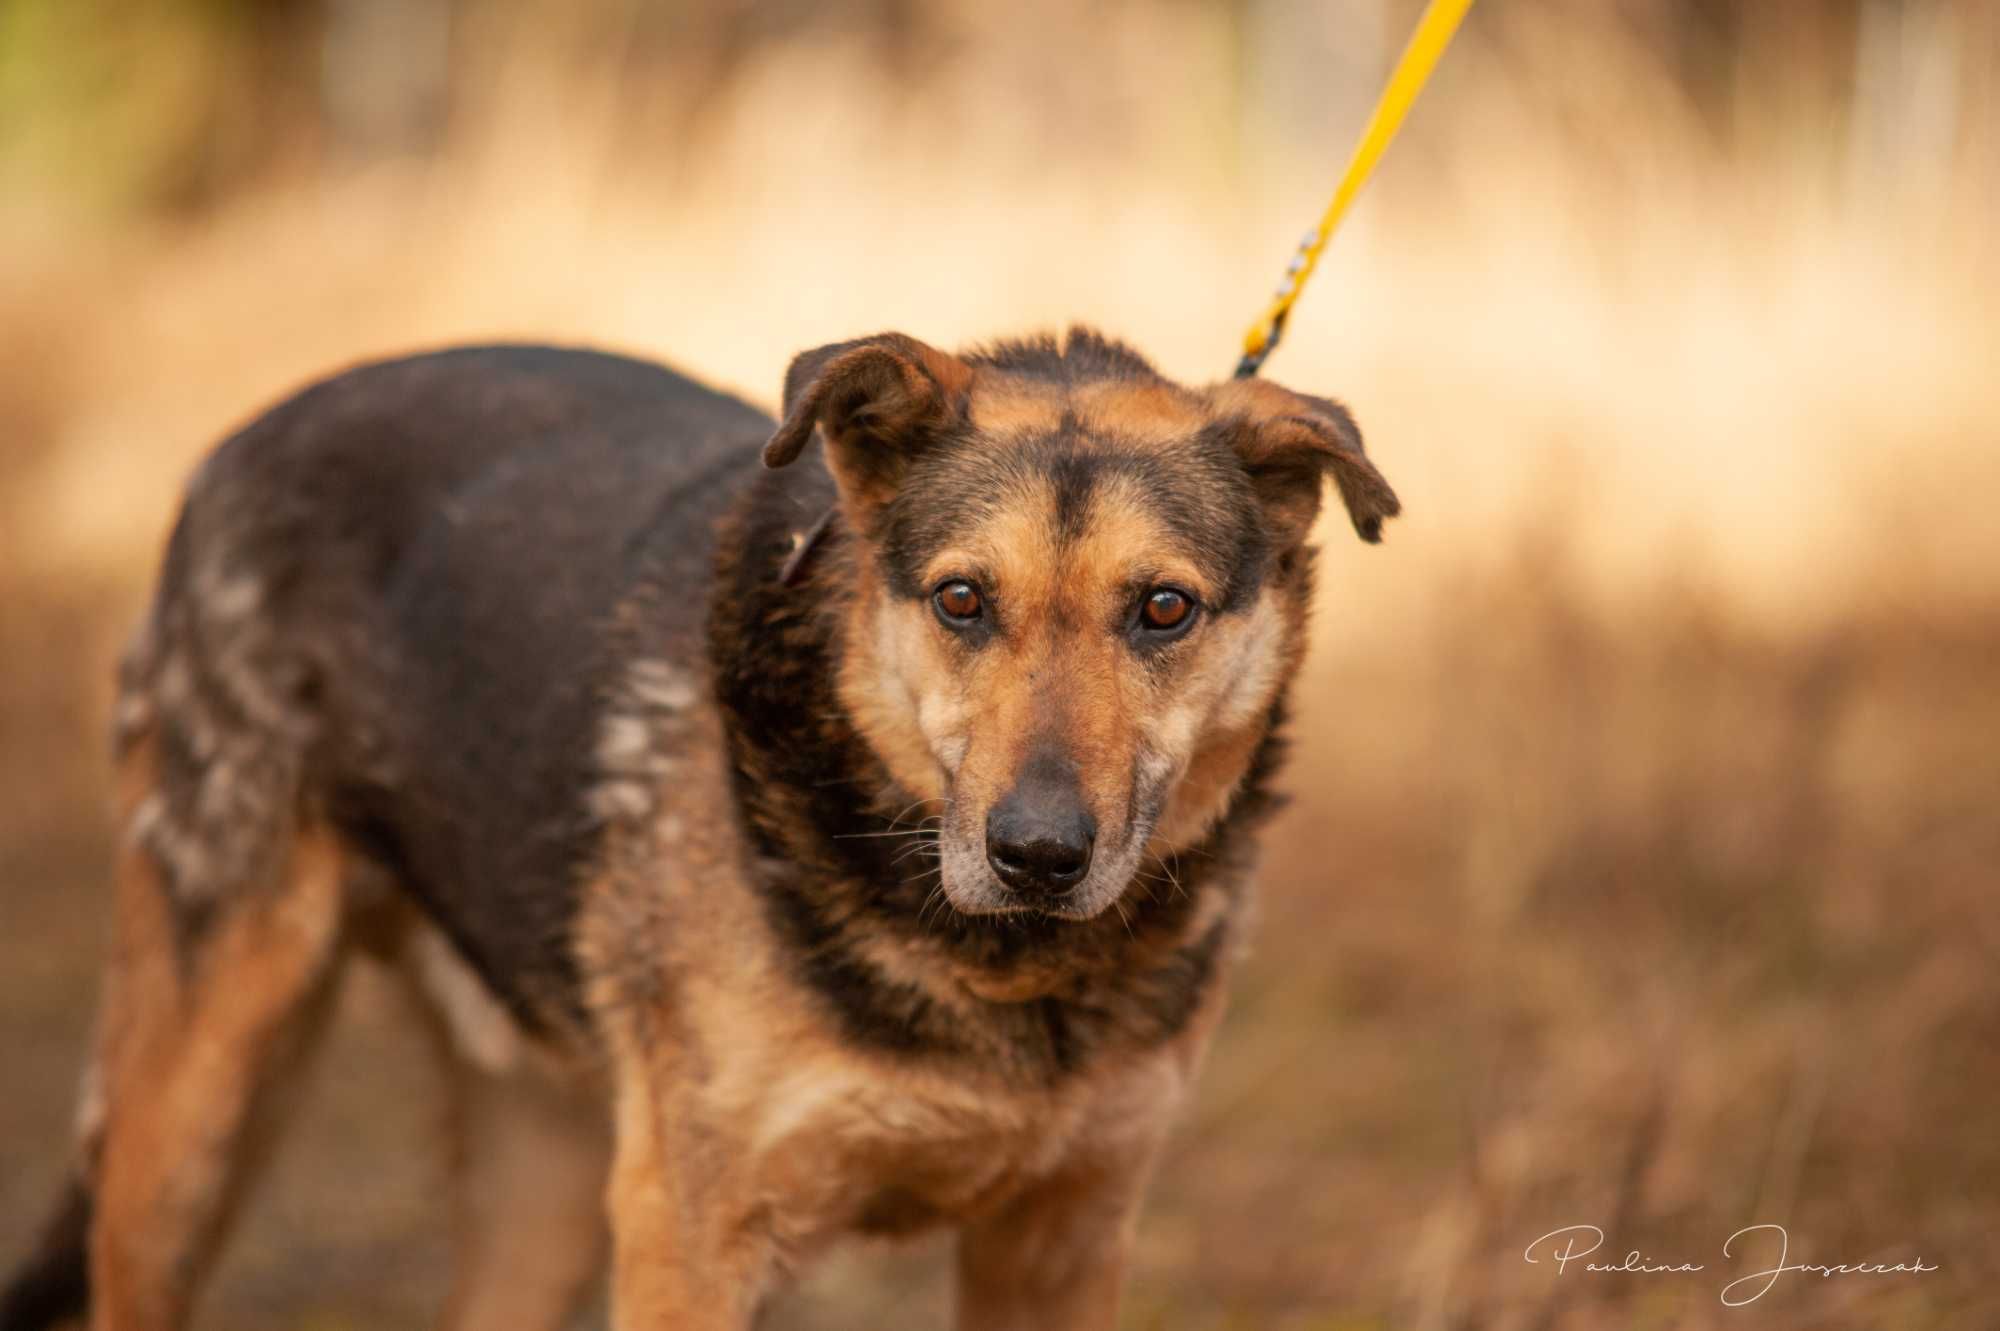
{"x": 1434, "y": 33}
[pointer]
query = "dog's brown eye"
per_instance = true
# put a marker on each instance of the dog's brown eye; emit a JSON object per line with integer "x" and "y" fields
{"x": 1165, "y": 608}
{"x": 957, "y": 599}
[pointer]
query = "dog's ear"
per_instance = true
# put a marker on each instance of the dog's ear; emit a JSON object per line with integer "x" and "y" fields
{"x": 877, "y": 402}
{"x": 1289, "y": 443}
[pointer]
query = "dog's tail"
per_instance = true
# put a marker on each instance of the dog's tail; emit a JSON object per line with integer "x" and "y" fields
{"x": 53, "y": 1286}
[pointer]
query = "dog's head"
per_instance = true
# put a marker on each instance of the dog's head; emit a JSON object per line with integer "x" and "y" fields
{"x": 1087, "y": 587}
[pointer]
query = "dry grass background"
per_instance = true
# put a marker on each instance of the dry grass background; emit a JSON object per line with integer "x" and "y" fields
{"x": 1642, "y": 863}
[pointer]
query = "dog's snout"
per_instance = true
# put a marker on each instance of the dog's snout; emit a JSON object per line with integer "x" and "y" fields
{"x": 1039, "y": 837}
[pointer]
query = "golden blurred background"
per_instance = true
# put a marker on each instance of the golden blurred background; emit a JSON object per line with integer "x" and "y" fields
{"x": 1642, "y": 865}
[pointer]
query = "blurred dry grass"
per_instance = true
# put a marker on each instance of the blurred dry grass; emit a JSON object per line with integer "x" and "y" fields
{"x": 1642, "y": 865}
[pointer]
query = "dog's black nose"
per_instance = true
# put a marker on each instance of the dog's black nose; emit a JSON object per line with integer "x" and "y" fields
{"x": 1038, "y": 838}
{"x": 1039, "y": 857}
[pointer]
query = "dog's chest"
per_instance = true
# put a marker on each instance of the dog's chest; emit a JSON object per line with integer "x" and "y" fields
{"x": 856, "y": 1147}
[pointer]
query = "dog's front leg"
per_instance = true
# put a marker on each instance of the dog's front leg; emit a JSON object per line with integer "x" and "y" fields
{"x": 1054, "y": 1258}
{"x": 680, "y": 1261}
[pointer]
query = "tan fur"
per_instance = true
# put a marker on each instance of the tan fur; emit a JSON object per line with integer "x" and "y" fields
{"x": 881, "y": 683}
{"x": 1139, "y": 412}
{"x": 725, "y": 1181}
{"x": 1259, "y": 399}
{"x": 952, "y": 375}
{"x": 1005, "y": 404}
{"x": 1224, "y": 701}
{"x": 190, "y": 1058}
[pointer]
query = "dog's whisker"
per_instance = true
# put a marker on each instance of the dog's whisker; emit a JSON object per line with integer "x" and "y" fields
{"x": 918, "y": 804}
{"x": 1180, "y": 889}
{"x": 906, "y": 810}
{"x": 938, "y": 900}
{"x": 908, "y": 851}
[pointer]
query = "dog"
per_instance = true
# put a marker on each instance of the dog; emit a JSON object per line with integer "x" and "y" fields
{"x": 783, "y": 852}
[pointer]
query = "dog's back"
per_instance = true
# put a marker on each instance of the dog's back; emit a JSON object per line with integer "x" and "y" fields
{"x": 399, "y": 580}
{"x": 385, "y": 583}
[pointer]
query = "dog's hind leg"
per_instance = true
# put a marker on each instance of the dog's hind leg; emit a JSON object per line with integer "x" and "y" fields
{"x": 532, "y": 1152}
{"x": 197, "y": 1034}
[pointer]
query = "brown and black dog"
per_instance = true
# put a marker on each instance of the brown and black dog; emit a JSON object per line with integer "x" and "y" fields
{"x": 784, "y": 852}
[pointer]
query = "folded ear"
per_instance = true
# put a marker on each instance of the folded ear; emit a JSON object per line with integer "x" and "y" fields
{"x": 1290, "y": 443}
{"x": 878, "y": 402}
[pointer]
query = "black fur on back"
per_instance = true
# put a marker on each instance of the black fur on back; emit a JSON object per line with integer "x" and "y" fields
{"x": 418, "y": 558}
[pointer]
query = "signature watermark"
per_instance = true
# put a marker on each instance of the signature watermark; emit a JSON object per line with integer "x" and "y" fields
{"x": 1572, "y": 1244}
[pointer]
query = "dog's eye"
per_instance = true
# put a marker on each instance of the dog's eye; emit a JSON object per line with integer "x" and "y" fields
{"x": 957, "y": 601}
{"x": 1165, "y": 610}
